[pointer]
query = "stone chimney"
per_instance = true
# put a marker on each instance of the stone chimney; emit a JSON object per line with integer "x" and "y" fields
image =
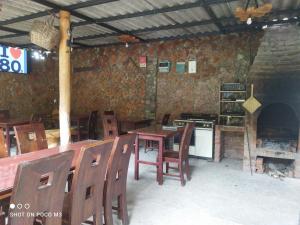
{"x": 275, "y": 74}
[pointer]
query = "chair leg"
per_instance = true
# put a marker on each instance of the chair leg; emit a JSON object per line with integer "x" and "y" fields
{"x": 119, "y": 207}
{"x": 108, "y": 219}
{"x": 167, "y": 167}
{"x": 181, "y": 174}
{"x": 2, "y": 217}
{"x": 187, "y": 169}
{"x": 123, "y": 209}
{"x": 97, "y": 220}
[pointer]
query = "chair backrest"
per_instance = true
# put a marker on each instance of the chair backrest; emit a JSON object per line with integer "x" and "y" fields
{"x": 4, "y": 114}
{"x": 30, "y": 137}
{"x": 118, "y": 163}
{"x": 88, "y": 182}
{"x": 165, "y": 119}
{"x": 92, "y": 125}
{"x": 3, "y": 149}
{"x": 110, "y": 126}
{"x": 185, "y": 141}
{"x": 39, "y": 188}
{"x": 109, "y": 112}
{"x": 35, "y": 118}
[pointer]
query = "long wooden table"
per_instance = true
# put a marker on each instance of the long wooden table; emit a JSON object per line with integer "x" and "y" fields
{"x": 153, "y": 133}
{"x": 9, "y": 165}
{"x": 8, "y": 124}
{"x": 127, "y": 125}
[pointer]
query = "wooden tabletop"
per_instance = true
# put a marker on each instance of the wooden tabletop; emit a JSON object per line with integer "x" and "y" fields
{"x": 136, "y": 121}
{"x": 156, "y": 130}
{"x": 9, "y": 165}
{"x": 12, "y": 122}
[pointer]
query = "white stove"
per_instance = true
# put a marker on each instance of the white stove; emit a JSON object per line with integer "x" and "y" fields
{"x": 202, "y": 143}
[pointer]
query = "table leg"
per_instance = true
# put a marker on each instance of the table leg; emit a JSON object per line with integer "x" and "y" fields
{"x": 78, "y": 129}
{"x": 136, "y": 158}
{"x": 7, "y": 140}
{"x": 160, "y": 161}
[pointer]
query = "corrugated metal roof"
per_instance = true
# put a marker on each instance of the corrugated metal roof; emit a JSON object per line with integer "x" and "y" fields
{"x": 15, "y": 8}
{"x": 16, "y": 40}
{"x": 123, "y": 7}
{"x": 3, "y": 33}
{"x": 100, "y": 41}
{"x": 195, "y": 15}
{"x": 87, "y": 30}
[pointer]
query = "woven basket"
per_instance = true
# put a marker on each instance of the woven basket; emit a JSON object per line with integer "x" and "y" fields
{"x": 44, "y": 34}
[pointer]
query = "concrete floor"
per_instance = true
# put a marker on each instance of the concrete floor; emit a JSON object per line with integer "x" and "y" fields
{"x": 218, "y": 194}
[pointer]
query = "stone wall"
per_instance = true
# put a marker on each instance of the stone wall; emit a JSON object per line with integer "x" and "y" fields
{"x": 116, "y": 82}
{"x": 109, "y": 78}
{"x": 23, "y": 95}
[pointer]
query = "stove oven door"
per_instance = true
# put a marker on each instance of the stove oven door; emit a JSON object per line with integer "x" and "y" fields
{"x": 204, "y": 144}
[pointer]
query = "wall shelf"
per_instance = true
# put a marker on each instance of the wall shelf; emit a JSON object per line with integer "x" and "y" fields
{"x": 231, "y": 110}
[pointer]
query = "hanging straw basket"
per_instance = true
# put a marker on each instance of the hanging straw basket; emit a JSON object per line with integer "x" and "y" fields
{"x": 44, "y": 34}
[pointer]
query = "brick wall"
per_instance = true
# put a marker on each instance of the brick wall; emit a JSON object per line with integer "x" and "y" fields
{"x": 233, "y": 143}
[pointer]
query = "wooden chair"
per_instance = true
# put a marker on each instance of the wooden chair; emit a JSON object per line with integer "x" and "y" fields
{"x": 92, "y": 125}
{"x": 35, "y": 118}
{"x": 116, "y": 178}
{"x": 110, "y": 126}
{"x": 151, "y": 145}
{"x": 4, "y": 114}
{"x": 165, "y": 119}
{"x": 30, "y": 137}
{"x": 109, "y": 112}
{"x": 182, "y": 156}
{"x": 86, "y": 196}
{"x": 43, "y": 192}
{"x": 3, "y": 149}
{"x": 87, "y": 131}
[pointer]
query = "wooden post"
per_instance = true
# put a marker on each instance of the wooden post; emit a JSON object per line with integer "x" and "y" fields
{"x": 64, "y": 78}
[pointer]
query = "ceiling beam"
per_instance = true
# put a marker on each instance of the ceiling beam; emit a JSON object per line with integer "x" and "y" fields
{"x": 50, "y": 11}
{"x": 185, "y": 36}
{"x": 166, "y": 9}
{"x": 212, "y": 15}
{"x": 83, "y": 17}
{"x": 12, "y": 30}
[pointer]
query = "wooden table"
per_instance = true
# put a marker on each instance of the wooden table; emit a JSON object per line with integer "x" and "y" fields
{"x": 152, "y": 133}
{"x": 8, "y": 124}
{"x": 53, "y": 137}
{"x": 127, "y": 125}
{"x": 9, "y": 165}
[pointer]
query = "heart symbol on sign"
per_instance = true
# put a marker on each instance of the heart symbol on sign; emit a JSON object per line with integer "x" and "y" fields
{"x": 15, "y": 52}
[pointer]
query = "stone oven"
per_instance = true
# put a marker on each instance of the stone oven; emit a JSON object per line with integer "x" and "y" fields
{"x": 277, "y": 128}
{"x": 274, "y": 128}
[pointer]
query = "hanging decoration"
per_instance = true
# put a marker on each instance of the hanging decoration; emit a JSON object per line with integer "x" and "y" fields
{"x": 249, "y": 13}
{"x": 44, "y": 34}
{"x": 127, "y": 38}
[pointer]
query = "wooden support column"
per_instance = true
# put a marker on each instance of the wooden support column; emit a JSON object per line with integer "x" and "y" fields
{"x": 64, "y": 78}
